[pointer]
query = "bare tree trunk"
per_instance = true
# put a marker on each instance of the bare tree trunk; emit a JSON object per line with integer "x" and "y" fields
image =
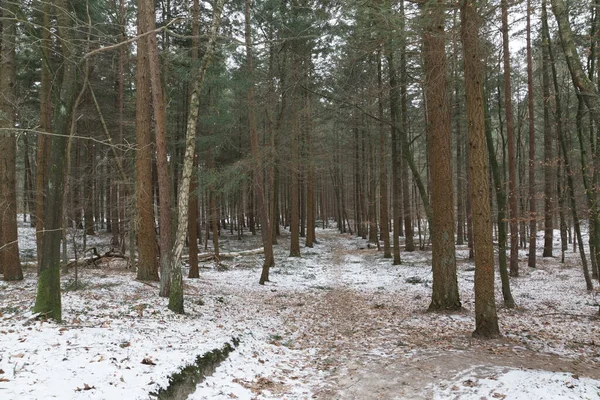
{"x": 509, "y": 302}
{"x": 486, "y": 319}
{"x": 162, "y": 166}
{"x": 10, "y": 263}
{"x": 548, "y": 156}
{"x": 193, "y": 203}
{"x": 147, "y": 269}
{"x": 43, "y": 141}
{"x": 409, "y": 242}
{"x": 394, "y": 100}
{"x": 445, "y": 286}
{"x": 48, "y": 299}
{"x": 512, "y": 160}
{"x": 176, "y": 293}
{"x": 383, "y": 190}
{"x": 530, "y": 104}
{"x": 259, "y": 183}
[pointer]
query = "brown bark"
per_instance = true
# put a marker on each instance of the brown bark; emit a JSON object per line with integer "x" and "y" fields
{"x": 409, "y": 242}
{"x": 146, "y": 235}
{"x": 10, "y": 263}
{"x": 512, "y": 160}
{"x": 486, "y": 319}
{"x": 43, "y": 141}
{"x": 162, "y": 165}
{"x": 394, "y": 102}
{"x": 530, "y": 106}
{"x": 48, "y": 298}
{"x": 548, "y": 155}
{"x": 383, "y": 190}
{"x": 259, "y": 183}
{"x": 445, "y": 286}
{"x": 193, "y": 203}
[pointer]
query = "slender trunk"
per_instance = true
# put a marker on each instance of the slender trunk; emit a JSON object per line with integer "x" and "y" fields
{"x": 10, "y": 264}
{"x": 512, "y": 160}
{"x": 509, "y": 302}
{"x": 383, "y": 191}
{"x": 193, "y": 203}
{"x": 548, "y": 156}
{"x": 162, "y": 165}
{"x": 530, "y": 106}
{"x": 409, "y": 242}
{"x": 259, "y": 183}
{"x": 566, "y": 39}
{"x": 394, "y": 101}
{"x": 43, "y": 141}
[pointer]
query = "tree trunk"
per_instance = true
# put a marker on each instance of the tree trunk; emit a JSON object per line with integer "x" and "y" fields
{"x": 193, "y": 203}
{"x": 445, "y": 286}
{"x": 486, "y": 319}
{"x": 548, "y": 156}
{"x": 43, "y": 141}
{"x": 409, "y": 242}
{"x": 531, "y": 115}
{"x": 512, "y": 160}
{"x": 394, "y": 102}
{"x": 176, "y": 293}
{"x": 10, "y": 263}
{"x": 147, "y": 268}
{"x": 509, "y": 302}
{"x": 162, "y": 165}
{"x": 383, "y": 191}
{"x": 259, "y": 182}
{"x": 48, "y": 299}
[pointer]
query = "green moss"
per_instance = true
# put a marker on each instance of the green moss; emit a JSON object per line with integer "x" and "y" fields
{"x": 184, "y": 382}
{"x": 48, "y": 301}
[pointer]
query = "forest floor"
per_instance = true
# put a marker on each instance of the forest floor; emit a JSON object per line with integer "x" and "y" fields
{"x": 338, "y": 323}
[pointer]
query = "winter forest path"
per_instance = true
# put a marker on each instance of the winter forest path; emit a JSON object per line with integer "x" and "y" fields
{"x": 374, "y": 339}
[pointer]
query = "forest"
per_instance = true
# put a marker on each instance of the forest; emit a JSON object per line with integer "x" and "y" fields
{"x": 299, "y": 199}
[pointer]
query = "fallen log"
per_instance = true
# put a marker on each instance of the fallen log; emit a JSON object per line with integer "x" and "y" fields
{"x": 204, "y": 257}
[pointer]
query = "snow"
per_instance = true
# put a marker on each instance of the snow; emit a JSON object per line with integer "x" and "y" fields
{"x": 339, "y": 322}
{"x": 516, "y": 384}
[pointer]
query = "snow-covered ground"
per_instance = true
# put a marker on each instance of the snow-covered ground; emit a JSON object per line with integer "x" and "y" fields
{"x": 339, "y": 322}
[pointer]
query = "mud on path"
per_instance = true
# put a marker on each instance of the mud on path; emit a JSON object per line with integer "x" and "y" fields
{"x": 377, "y": 341}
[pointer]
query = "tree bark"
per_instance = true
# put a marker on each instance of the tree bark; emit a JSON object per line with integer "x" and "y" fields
{"x": 486, "y": 319}
{"x": 512, "y": 159}
{"x": 48, "y": 299}
{"x": 445, "y": 286}
{"x": 162, "y": 165}
{"x": 383, "y": 190}
{"x": 548, "y": 155}
{"x": 259, "y": 183}
{"x": 531, "y": 110}
{"x": 147, "y": 267}
{"x": 10, "y": 263}
{"x": 43, "y": 141}
{"x": 193, "y": 203}
{"x": 176, "y": 293}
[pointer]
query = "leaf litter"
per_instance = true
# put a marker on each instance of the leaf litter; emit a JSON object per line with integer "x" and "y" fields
{"x": 340, "y": 322}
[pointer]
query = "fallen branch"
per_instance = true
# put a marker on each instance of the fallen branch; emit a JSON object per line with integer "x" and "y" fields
{"x": 204, "y": 257}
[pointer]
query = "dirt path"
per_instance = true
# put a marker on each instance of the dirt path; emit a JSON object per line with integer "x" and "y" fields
{"x": 377, "y": 344}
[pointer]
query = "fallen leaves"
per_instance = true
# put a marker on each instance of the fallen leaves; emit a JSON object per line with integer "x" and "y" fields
{"x": 148, "y": 361}
{"x": 85, "y": 387}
